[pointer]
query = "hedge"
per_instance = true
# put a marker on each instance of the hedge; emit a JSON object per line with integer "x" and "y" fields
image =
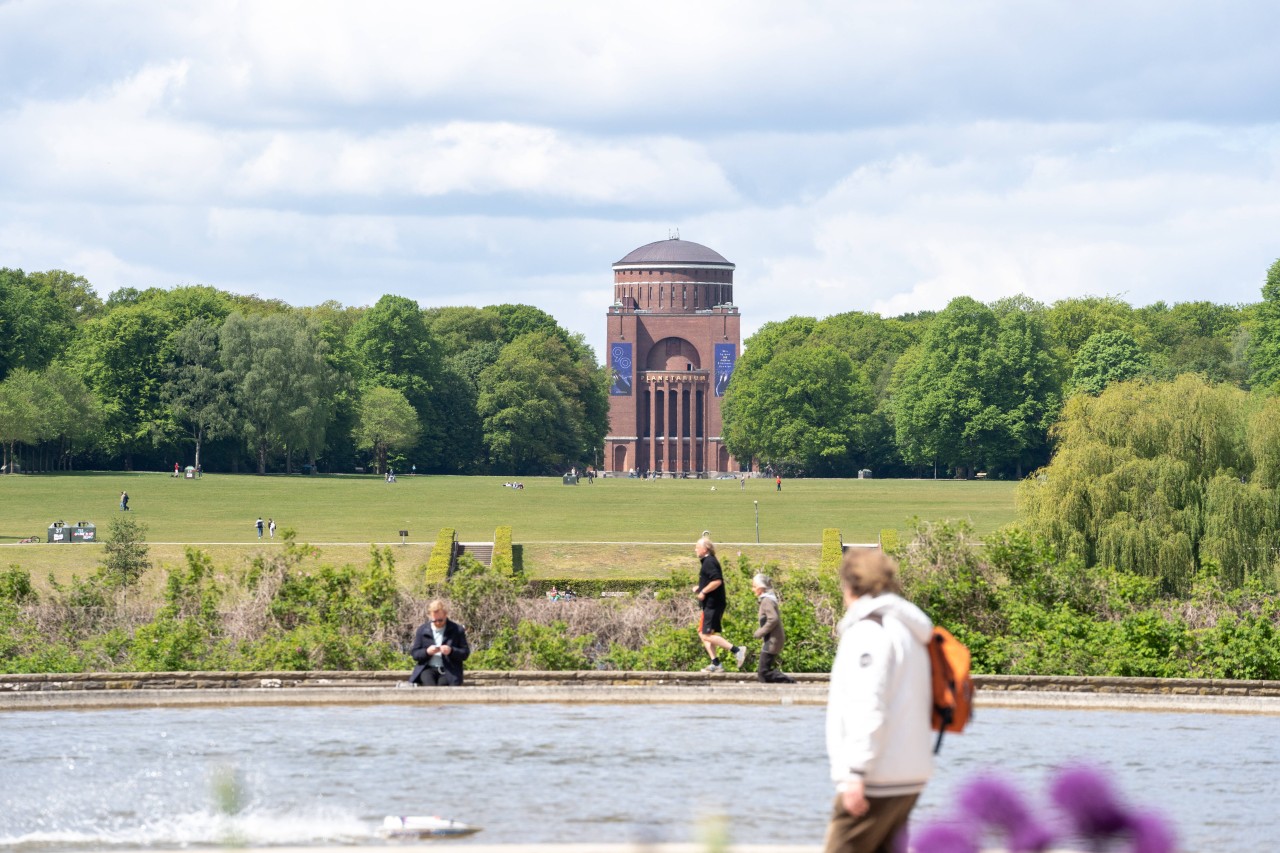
{"x": 832, "y": 550}
{"x": 593, "y": 588}
{"x": 441, "y": 556}
{"x": 503, "y": 559}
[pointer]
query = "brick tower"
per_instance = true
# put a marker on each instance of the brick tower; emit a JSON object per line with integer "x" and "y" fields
{"x": 674, "y": 336}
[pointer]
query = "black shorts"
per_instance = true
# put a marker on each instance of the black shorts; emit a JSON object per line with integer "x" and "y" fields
{"x": 709, "y": 622}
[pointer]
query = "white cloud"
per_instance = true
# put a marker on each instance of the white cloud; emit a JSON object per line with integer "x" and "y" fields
{"x": 872, "y": 155}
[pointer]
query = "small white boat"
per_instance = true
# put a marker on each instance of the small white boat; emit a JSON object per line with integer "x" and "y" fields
{"x": 414, "y": 827}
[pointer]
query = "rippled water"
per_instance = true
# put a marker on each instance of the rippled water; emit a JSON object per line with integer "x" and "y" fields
{"x": 548, "y": 773}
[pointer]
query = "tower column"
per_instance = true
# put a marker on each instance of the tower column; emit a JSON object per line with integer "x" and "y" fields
{"x": 666, "y": 425}
{"x": 680, "y": 466}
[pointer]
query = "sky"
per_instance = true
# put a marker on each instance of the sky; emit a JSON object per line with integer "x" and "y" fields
{"x": 846, "y": 156}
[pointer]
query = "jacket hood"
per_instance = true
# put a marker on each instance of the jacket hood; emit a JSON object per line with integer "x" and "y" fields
{"x": 768, "y": 593}
{"x": 892, "y": 606}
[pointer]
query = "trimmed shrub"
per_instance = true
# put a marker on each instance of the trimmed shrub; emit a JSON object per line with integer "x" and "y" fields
{"x": 832, "y": 549}
{"x": 503, "y": 559}
{"x": 441, "y": 556}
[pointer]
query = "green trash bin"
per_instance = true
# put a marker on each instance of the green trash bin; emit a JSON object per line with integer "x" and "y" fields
{"x": 84, "y": 532}
{"x": 59, "y": 532}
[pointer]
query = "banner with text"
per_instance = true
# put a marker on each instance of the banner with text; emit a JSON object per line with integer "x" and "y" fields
{"x": 726, "y": 357}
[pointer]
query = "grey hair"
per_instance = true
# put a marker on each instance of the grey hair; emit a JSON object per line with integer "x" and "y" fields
{"x": 763, "y": 581}
{"x": 705, "y": 542}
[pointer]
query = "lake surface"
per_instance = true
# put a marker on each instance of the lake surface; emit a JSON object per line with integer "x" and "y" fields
{"x": 79, "y": 780}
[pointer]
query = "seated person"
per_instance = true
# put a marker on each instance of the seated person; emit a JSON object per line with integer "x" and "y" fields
{"x": 439, "y": 647}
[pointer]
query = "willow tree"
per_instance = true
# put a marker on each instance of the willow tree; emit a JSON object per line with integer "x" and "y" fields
{"x": 1162, "y": 479}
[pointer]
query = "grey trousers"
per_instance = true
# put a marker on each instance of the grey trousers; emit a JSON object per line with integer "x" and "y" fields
{"x": 878, "y": 831}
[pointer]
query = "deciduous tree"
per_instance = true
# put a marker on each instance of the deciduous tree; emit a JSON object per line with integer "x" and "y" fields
{"x": 386, "y": 422}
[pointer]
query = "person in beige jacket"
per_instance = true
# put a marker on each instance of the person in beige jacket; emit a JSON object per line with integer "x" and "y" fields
{"x": 770, "y": 631}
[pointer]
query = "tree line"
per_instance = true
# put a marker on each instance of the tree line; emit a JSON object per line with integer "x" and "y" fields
{"x": 975, "y": 387}
{"x": 235, "y": 383}
{"x": 225, "y": 382}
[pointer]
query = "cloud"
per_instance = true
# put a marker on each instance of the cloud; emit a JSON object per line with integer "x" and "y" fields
{"x": 872, "y": 155}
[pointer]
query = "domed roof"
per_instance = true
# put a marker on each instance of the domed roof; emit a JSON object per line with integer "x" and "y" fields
{"x": 673, "y": 251}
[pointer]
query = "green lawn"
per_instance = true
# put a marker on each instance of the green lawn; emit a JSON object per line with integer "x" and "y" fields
{"x": 352, "y": 511}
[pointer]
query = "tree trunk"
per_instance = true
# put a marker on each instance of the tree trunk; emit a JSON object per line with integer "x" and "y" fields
{"x": 199, "y": 442}
{"x": 262, "y": 456}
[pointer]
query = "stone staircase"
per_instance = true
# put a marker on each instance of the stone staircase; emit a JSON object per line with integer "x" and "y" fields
{"x": 481, "y": 552}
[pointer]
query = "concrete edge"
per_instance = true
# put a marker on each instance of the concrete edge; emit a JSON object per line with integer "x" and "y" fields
{"x": 585, "y": 694}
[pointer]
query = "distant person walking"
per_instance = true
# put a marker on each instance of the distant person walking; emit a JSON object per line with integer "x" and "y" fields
{"x": 124, "y": 501}
{"x": 742, "y": 482}
{"x": 779, "y": 481}
{"x": 271, "y": 527}
{"x": 711, "y": 595}
{"x": 770, "y": 631}
{"x": 258, "y": 524}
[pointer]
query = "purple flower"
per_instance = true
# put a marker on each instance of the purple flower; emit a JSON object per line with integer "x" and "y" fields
{"x": 1089, "y": 803}
{"x": 995, "y": 803}
{"x": 953, "y": 837}
{"x": 1151, "y": 834}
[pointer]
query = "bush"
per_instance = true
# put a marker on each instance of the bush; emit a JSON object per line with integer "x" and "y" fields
{"x": 441, "y": 557}
{"x": 16, "y": 588}
{"x": 126, "y": 553}
{"x": 503, "y": 559}
{"x": 832, "y": 550}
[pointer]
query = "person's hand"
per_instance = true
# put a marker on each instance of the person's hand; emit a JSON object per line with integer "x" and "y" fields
{"x": 702, "y": 596}
{"x": 445, "y": 650}
{"x": 853, "y": 798}
{"x": 433, "y": 650}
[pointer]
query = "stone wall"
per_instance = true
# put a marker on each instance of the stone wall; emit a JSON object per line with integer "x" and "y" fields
{"x": 320, "y": 680}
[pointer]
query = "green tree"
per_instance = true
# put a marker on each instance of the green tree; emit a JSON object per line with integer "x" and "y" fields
{"x": 1071, "y": 322}
{"x": 283, "y": 388}
{"x": 807, "y": 408}
{"x": 74, "y": 417}
{"x": 392, "y": 348}
{"x": 34, "y": 327}
{"x": 1264, "y": 353}
{"x": 1159, "y": 479}
{"x": 199, "y": 386}
{"x": 386, "y": 423}
{"x": 126, "y": 554}
{"x": 543, "y": 405}
{"x": 77, "y": 297}
{"x": 979, "y": 389}
{"x": 21, "y": 418}
{"x": 1105, "y": 358}
{"x": 124, "y": 356}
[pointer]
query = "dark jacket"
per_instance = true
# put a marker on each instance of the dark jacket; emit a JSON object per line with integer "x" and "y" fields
{"x": 454, "y": 637}
{"x": 770, "y": 624}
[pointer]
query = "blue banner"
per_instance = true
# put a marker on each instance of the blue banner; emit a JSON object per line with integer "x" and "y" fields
{"x": 620, "y": 365}
{"x": 726, "y": 357}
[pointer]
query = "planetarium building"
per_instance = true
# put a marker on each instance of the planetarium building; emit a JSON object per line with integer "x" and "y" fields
{"x": 674, "y": 338}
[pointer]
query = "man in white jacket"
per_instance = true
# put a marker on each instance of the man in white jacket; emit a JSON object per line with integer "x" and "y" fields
{"x": 878, "y": 707}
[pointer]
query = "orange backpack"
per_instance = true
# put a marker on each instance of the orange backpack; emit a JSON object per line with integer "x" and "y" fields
{"x": 952, "y": 686}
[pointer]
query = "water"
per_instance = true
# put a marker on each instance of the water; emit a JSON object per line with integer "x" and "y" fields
{"x": 561, "y": 773}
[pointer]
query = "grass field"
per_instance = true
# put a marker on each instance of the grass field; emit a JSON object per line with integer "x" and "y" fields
{"x": 552, "y": 521}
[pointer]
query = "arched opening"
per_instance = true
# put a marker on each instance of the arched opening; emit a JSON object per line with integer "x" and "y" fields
{"x": 673, "y": 354}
